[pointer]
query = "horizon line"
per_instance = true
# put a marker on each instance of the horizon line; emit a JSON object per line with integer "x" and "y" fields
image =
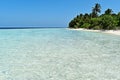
{"x": 28, "y": 27}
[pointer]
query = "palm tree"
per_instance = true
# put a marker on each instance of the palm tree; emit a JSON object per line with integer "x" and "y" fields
{"x": 96, "y": 10}
{"x": 108, "y": 11}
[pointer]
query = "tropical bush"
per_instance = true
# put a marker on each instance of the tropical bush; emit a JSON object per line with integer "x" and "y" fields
{"x": 86, "y": 25}
{"x": 108, "y": 22}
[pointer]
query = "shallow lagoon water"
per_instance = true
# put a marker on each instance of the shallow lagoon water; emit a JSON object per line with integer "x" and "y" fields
{"x": 58, "y": 54}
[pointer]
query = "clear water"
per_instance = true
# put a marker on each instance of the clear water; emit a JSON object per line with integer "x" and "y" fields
{"x": 58, "y": 54}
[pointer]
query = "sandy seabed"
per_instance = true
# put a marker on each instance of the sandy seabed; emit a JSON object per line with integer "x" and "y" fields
{"x": 58, "y": 54}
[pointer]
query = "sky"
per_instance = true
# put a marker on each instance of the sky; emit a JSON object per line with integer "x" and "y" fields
{"x": 48, "y": 13}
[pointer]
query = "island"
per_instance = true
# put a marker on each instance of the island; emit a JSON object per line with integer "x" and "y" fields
{"x": 96, "y": 21}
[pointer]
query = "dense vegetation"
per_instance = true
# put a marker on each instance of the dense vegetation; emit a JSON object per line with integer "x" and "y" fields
{"x": 93, "y": 20}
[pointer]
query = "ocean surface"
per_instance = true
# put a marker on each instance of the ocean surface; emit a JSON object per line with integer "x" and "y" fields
{"x": 58, "y": 54}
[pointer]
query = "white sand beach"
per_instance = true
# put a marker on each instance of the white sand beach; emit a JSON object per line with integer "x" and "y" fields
{"x": 115, "y": 32}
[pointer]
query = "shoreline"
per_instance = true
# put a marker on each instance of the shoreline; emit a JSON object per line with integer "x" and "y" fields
{"x": 115, "y": 32}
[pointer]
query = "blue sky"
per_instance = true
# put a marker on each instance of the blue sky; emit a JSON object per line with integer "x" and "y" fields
{"x": 48, "y": 13}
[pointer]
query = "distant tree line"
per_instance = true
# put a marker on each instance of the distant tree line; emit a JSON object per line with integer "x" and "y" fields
{"x": 93, "y": 20}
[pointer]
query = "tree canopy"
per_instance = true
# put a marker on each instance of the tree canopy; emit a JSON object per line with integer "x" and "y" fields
{"x": 93, "y": 20}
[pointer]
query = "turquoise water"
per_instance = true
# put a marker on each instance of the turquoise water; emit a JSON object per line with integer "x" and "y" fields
{"x": 58, "y": 54}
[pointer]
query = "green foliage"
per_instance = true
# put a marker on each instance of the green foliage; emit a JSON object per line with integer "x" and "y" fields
{"x": 108, "y": 11}
{"x": 118, "y": 18}
{"x": 106, "y": 21}
{"x": 97, "y": 27}
{"x": 86, "y": 25}
{"x": 72, "y": 24}
{"x": 95, "y": 22}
